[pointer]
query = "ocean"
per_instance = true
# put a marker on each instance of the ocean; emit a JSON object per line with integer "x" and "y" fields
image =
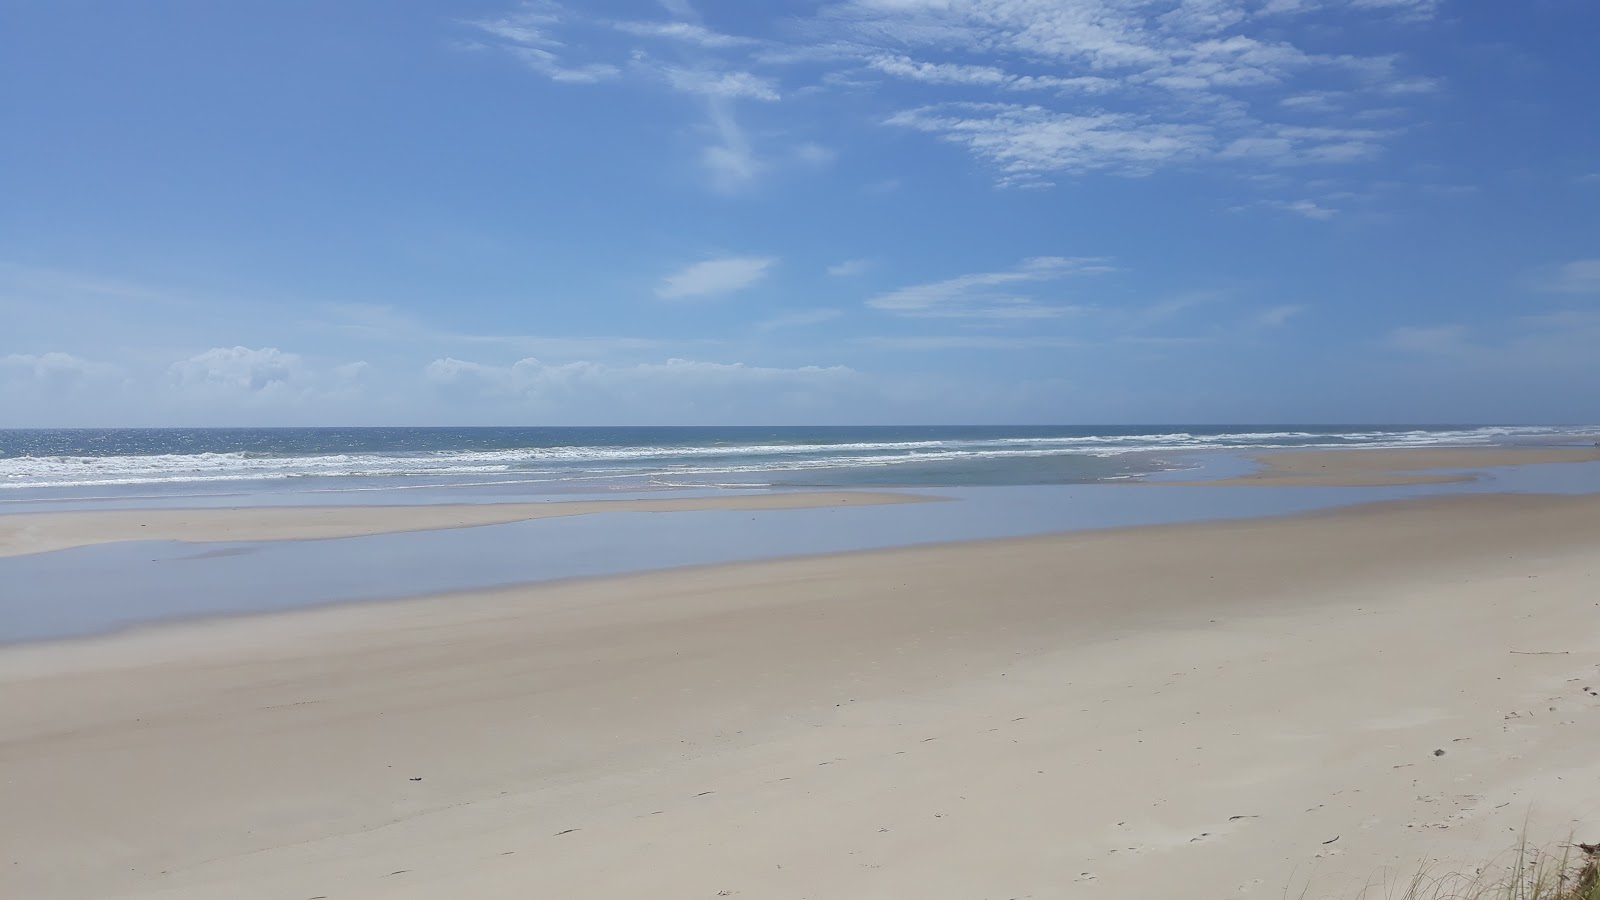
{"x": 121, "y": 463}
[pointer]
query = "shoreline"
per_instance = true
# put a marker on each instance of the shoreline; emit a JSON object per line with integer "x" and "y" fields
{"x": 990, "y": 718}
{"x": 24, "y": 533}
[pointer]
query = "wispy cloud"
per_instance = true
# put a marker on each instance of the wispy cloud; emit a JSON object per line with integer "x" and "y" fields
{"x": 800, "y": 318}
{"x": 715, "y": 277}
{"x": 989, "y": 295}
{"x": 1278, "y": 316}
{"x": 729, "y": 85}
{"x": 525, "y": 34}
{"x": 1171, "y": 82}
{"x": 647, "y": 386}
{"x": 729, "y": 159}
{"x": 1581, "y": 276}
{"x": 688, "y": 32}
{"x": 1310, "y": 209}
{"x": 984, "y": 76}
{"x": 968, "y": 342}
{"x": 380, "y": 323}
{"x": 1174, "y": 82}
{"x": 1027, "y": 142}
{"x": 1511, "y": 351}
{"x": 849, "y": 268}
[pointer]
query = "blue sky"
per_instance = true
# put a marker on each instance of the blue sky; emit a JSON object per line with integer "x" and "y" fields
{"x": 855, "y": 211}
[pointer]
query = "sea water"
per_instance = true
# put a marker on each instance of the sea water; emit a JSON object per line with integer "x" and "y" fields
{"x": 73, "y": 464}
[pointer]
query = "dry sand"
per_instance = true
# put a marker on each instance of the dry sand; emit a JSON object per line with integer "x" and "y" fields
{"x": 1376, "y": 468}
{"x": 42, "y": 532}
{"x": 1202, "y": 710}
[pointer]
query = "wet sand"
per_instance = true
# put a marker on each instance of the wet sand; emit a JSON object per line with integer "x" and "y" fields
{"x": 1209, "y": 710}
{"x": 1378, "y": 468}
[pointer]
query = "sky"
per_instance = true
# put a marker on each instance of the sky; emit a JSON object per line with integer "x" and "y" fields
{"x": 398, "y": 212}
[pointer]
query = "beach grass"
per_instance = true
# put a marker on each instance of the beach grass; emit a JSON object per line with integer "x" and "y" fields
{"x": 1531, "y": 874}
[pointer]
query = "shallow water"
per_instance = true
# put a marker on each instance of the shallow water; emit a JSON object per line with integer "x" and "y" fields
{"x": 87, "y": 590}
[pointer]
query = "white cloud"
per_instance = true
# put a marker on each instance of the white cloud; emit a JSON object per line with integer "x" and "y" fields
{"x": 730, "y": 85}
{"x": 985, "y": 76}
{"x": 968, "y": 342}
{"x": 730, "y": 159}
{"x": 988, "y": 295}
{"x": 1278, "y": 316}
{"x": 1315, "y": 101}
{"x": 1309, "y": 209}
{"x": 1581, "y": 276}
{"x": 1417, "y": 85}
{"x": 939, "y": 73}
{"x": 239, "y": 368}
{"x": 1414, "y": 10}
{"x": 525, "y": 34}
{"x": 687, "y": 32}
{"x": 715, "y": 276}
{"x": 1026, "y": 142}
{"x": 549, "y": 64}
{"x": 56, "y": 369}
{"x": 849, "y": 268}
{"x": 1174, "y": 82}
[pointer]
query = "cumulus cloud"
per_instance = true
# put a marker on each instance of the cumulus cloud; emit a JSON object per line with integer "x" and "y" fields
{"x": 989, "y": 295}
{"x": 715, "y": 277}
{"x": 239, "y": 368}
{"x": 56, "y": 369}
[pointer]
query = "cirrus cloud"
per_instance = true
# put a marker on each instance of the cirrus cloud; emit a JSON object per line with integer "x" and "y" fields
{"x": 715, "y": 277}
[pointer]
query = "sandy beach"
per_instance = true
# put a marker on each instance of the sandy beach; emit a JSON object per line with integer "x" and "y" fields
{"x": 44, "y": 532}
{"x": 1377, "y": 468}
{"x": 1223, "y": 709}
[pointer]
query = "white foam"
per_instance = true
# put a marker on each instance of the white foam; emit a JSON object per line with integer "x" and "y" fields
{"x": 586, "y": 463}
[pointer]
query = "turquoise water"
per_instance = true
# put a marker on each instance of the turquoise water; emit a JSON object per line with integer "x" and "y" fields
{"x": 82, "y": 463}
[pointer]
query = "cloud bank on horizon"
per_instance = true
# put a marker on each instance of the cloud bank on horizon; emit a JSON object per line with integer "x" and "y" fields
{"x": 850, "y": 211}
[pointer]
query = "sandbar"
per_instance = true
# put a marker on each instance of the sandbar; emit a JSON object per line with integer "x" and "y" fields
{"x": 22, "y": 533}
